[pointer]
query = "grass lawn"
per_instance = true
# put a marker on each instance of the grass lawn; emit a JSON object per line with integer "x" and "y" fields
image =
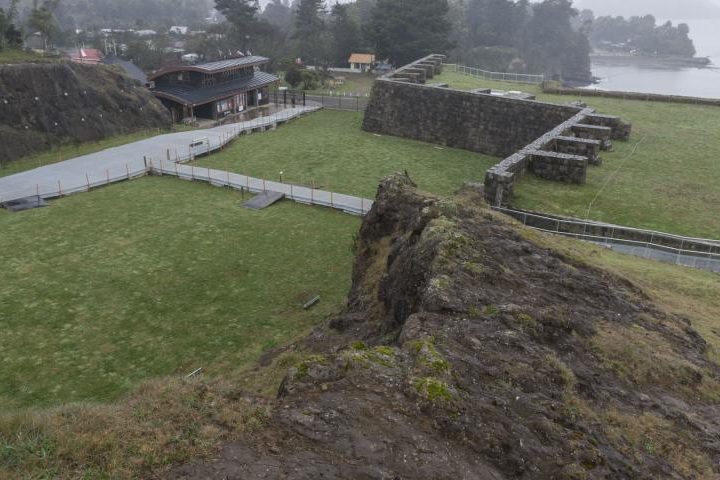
{"x": 21, "y": 56}
{"x": 153, "y": 277}
{"x": 671, "y": 183}
{"x": 356, "y": 84}
{"x": 330, "y": 149}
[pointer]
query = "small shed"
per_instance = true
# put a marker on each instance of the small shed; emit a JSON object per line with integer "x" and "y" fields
{"x": 362, "y": 61}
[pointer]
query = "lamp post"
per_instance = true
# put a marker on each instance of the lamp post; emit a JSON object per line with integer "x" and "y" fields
{"x": 281, "y": 177}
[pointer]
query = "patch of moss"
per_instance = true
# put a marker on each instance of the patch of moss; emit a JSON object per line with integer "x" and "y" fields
{"x": 303, "y": 367}
{"x": 428, "y": 356}
{"x": 491, "y": 310}
{"x": 433, "y": 389}
{"x": 526, "y": 321}
{"x": 381, "y": 355}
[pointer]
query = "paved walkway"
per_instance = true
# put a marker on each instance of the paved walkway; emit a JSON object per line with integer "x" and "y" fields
{"x": 127, "y": 161}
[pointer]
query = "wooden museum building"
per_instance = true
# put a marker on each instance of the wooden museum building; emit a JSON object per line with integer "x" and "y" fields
{"x": 213, "y": 90}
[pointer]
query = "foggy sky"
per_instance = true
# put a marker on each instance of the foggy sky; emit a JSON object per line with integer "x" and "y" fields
{"x": 664, "y": 9}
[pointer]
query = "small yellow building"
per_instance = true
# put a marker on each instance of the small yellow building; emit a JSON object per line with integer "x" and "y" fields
{"x": 362, "y": 61}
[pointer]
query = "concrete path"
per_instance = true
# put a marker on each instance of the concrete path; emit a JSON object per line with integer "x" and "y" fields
{"x": 128, "y": 161}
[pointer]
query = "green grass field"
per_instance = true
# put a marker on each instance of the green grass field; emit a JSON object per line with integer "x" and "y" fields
{"x": 329, "y": 149}
{"x": 21, "y": 56}
{"x": 671, "y": 183}
{"x": 153, "y": 277}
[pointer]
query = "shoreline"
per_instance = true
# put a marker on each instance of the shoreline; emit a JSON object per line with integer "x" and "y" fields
{"x": 650, "y": 61}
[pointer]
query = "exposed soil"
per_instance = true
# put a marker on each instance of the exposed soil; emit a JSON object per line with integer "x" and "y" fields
{"x": 45, "y": 105}
{"x": 468, "y": 350}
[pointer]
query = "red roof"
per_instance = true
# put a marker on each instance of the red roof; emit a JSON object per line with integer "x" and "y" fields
{"x": 87, "y": 55}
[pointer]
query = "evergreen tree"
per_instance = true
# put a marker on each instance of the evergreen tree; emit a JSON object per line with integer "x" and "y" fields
{"x": 310, "y": 33}
{"x": 42, "y": 19}
{"x": 345, "y": 34}
{"x": 279, "y": 14}
{"x": 405, "y": 30}
{"x": 552, "y": 45}
{"x": 240, "y": 13}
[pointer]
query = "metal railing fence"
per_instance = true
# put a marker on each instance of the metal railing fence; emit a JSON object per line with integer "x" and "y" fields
{"x": 298, "y": 193}
{"x": 497, "y": 76}
{"x": 339, "y": 102}
{"x": 665, "y": 247}
{"x": 70, "y": 179}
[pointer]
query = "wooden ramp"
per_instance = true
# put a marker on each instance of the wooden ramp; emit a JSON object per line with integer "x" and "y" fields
{"x": 264, "y": 200}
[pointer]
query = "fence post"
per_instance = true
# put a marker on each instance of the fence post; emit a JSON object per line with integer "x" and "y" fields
{"x": 59, "y": 188}
{"x": 87, "y": 178}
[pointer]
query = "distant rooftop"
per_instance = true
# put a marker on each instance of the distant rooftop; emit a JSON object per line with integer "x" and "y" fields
{"x": 213, "y": 67}
{"x": 362, "y": 58}
{"x": 190, "y": 95}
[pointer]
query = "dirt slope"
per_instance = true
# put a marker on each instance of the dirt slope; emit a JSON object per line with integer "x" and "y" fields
{"x": 44, "y": 105}
{"x": 468, "y": 351}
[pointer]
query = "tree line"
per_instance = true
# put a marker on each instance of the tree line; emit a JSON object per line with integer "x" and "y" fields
{"x": 506, "y": 35}
{"x": 641, "y": 35}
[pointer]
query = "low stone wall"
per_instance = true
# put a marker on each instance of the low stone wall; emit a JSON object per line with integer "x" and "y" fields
{"x": 556, "y": 142}
{"x": 646, "y": 97}
{"x": 561, "y": 167}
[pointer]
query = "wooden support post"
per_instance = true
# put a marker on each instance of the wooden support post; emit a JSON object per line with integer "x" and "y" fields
{"x": 59, "y": 188}
{"x": 87, "y": 179}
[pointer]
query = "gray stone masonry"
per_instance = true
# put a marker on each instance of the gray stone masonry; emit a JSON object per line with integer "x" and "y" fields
{"x": 556, "y": 142}
{"x": 594, "y": 132}
{"x": 620, "y": 130}
{"x": 560, "y": 167}
{"x": 578, "y": 146}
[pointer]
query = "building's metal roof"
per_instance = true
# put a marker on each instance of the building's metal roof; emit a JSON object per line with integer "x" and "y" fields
{"x": 212, "y": 67}
{"x": 194, "y": 96}
{"x": 130, "y": 68}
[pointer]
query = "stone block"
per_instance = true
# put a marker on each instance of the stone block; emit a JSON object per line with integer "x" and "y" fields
{"x": 559, "y": 167}
{"x": 584, "y": 147}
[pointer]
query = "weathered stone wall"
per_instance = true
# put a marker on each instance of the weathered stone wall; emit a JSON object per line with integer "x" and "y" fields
{"x": 561, "y": 167}
{"x": 555, "y": 142}
{"x": 472, "y": 121}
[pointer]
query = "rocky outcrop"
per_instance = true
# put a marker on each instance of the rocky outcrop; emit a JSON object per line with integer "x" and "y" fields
{"x": 470, "y": 349}
{"x": 45, "y": 105}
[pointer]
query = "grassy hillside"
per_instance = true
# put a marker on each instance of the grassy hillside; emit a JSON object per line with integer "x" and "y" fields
{"x": 156, "y": 277}
{"x": 665, "y": 178}
{"x": 330, "y": 149}
{"x": 160, "y": 276}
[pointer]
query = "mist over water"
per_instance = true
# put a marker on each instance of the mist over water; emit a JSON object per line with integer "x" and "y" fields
{"x": 649, "y": 77}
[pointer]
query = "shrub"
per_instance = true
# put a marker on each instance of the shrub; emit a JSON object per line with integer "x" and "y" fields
{"x": 294, "y": 76}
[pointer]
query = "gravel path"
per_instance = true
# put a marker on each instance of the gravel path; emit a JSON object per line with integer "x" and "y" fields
{"x": 126, "y": 161}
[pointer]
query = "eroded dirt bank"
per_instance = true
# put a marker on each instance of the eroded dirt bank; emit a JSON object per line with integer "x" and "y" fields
{"x": 470, "y": 350}
{"x": 49, "y": 104}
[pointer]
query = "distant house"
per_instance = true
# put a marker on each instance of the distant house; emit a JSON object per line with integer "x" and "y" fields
{"x": 145, "y": 33}
{"x": 91, "y": 56}
{"x": 213, "y": 90}
{"x": 36, "y": 42}
{"x": 190, "y": 58}
{"x": 362, "y": 62}
{"x": 178, "y": 30}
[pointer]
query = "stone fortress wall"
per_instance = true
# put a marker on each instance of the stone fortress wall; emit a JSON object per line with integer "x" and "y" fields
{"x": 555, "y": 142}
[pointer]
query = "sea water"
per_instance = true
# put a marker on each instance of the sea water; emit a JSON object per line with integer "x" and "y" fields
{"x": 634, "y": 75}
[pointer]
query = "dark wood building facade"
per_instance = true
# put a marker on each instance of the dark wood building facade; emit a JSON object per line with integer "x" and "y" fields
{"x": 214, "y": 90}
